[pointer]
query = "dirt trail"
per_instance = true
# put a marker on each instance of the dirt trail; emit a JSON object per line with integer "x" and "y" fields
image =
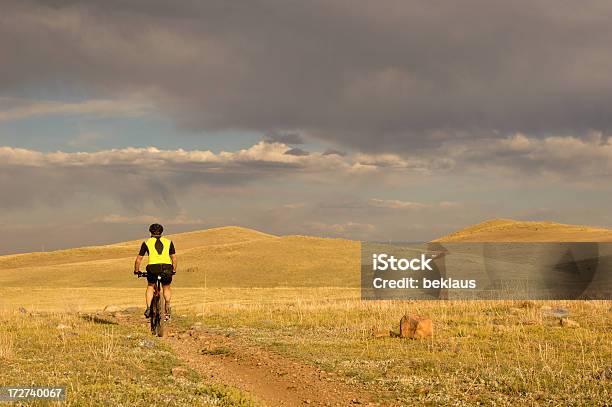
{"x": 269, "y": 378}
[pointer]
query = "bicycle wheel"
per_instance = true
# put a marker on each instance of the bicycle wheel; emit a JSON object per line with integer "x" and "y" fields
{"x": 153, "y": 316}
{"x": 161, "y": 314}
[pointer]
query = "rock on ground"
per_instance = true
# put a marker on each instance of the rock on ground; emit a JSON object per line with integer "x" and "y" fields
{"x": 415, "y": 327}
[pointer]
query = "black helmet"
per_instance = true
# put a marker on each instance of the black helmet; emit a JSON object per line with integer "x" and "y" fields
{"x": 156, "y": 229}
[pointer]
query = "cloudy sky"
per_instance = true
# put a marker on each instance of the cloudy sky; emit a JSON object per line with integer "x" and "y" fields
{"x": 386, "y": 120}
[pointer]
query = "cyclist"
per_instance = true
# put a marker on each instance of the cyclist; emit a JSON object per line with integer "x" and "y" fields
{"x": 162, "y": 261}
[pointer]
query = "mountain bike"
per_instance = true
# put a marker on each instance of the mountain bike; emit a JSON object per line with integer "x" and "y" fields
{"x": 157, "y": 307}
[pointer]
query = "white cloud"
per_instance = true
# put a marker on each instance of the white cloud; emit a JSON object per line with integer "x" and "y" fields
{"x": 519, "y": 153}
{"x": 158, "y": 177}
{"x": 563, "y": 157}
{"x": 262, "y": 156}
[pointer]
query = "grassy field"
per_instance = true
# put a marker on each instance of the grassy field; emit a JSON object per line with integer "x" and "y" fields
{"x": 493, "y": 353}
{"x": 499, "y": 353}
{"x": 100, "y": 363}
{"x": 297, "y": 296}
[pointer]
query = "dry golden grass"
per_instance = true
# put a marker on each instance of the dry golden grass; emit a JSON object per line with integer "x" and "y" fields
{"x": 90, "y": 299}
{"x": 7, "y": 345}
{"x": 299, "y": 295}
{"x": 487, "y": 352}
{"x": 100, "y": 364}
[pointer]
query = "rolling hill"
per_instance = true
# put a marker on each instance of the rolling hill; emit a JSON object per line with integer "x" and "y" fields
{"x": 241, "y": 257}
{"x": 508, "y": 230}
{"x": 219, "y": 257}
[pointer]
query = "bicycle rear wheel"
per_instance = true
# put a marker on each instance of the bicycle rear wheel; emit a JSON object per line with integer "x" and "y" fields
{"x": 161, "y": 314}
{"x": 153, "y": 317}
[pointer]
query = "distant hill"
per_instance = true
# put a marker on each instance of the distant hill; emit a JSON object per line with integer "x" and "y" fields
{"x": 219, "y": 257}
{"x": 188, "y": 240}
{"x": 241, "y": 257}
{"x": 508, "y": 230}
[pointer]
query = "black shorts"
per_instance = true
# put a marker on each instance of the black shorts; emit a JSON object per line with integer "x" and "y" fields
{"x": 165, "y": 270}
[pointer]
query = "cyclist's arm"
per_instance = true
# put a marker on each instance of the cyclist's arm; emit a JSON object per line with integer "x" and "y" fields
{"x": 173, "y": 256}
{"x": 143, "y": 250}
{"x": 137, "y": 263}
{"x": 174, "y": 261}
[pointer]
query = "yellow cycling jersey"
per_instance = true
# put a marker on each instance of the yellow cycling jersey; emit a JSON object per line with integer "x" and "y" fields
{"x": 154, "y": 256}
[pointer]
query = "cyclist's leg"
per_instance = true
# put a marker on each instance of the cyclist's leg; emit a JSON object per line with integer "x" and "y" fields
{"x": 167, "y": 292}
{"x": 152, "y": 273}
{"x": 167, "y": 296}
{"x": 149, "y": 293}
{"x": 166, "y": 281}
{"x": 149, "y": 297}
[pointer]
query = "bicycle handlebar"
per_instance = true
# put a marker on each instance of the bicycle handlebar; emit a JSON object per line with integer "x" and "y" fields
{"x": 144, "y": 273}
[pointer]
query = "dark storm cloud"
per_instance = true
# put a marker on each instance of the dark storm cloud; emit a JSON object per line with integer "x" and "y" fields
{"x": 297, "y": 152}
{"x": 385, "y": 75}
{"x": 285, "y": 138}
{"x": 332, "y": 151}
{"x": 58, "y": 186}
